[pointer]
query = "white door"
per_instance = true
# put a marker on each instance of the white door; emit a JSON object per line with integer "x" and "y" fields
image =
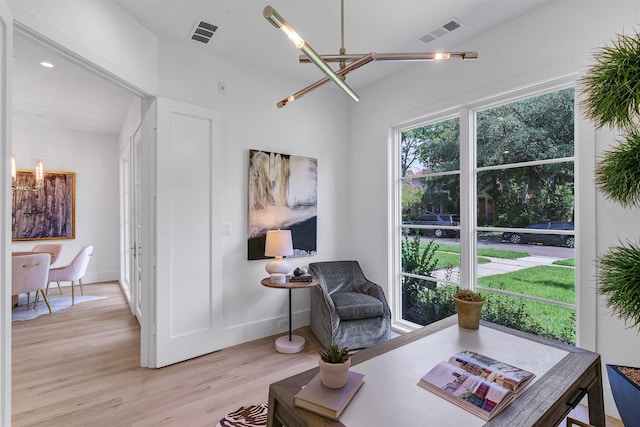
{"x": 6, "y": 48}
{"x": 135, "y": 301}
{"x": 144, "y": 229}
{"x": 126, "y": 241}
{"x": 188, "y": 271}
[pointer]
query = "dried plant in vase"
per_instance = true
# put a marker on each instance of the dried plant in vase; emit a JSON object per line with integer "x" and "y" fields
{"x": 469, "y": 305}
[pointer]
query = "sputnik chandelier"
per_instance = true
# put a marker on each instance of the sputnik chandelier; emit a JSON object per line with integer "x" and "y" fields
{"x": 349, "y": 62}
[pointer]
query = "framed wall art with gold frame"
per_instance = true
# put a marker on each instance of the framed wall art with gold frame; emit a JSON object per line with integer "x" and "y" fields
{"x": 45, "y": 213}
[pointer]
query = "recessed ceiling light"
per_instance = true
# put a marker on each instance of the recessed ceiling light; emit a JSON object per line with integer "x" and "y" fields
{"x": 46, "y": 64}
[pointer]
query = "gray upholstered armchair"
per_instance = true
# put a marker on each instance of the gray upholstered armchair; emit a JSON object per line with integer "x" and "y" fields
{"x": 346, "y": 308}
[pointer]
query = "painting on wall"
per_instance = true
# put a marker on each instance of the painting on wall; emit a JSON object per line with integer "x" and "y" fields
{"x": 282, "y": 195}
{"x": 44, "y": 214}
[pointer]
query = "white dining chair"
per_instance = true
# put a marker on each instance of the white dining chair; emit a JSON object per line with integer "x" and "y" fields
{"x": 30, "y": 273}
{"x": 55, "y": 250}
{"x": 72, "y": 272}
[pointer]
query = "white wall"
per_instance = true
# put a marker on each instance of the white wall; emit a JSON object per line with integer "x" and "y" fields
{"x": 252, "y": 121}
{"x": 98, "y": 31}
{"x": 94, "y": 159}
{"x": 551, "y": 41}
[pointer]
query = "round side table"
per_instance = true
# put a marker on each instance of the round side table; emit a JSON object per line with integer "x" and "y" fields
{"x": 291, "y": 343}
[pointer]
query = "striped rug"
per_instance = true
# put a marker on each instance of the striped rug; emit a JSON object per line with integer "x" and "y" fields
{"x": 246, "y": 416}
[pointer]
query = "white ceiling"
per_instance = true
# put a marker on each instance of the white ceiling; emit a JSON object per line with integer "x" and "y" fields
{"x": 66, "y": 96}
{"x": 73, "y": 97}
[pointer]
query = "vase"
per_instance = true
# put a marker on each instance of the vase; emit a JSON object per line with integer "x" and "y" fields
{"x": 468, "y": 313}
{"x": 626, "y": 394}
{"x": 334, "y": 375}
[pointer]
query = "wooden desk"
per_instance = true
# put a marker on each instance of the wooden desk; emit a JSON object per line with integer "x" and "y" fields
{"x": 291, "y": 343}
{"x": 546, "y": 402}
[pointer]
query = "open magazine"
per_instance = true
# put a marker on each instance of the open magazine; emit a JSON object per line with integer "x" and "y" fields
{"x": 477, "y": 383}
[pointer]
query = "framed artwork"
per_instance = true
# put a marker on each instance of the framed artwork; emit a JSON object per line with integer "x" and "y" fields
{"x": 47, "y": 213}
{"x": 282, "y": 195}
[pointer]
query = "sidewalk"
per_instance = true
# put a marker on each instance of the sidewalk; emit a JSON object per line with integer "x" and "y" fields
{"x": 496, "y": 266}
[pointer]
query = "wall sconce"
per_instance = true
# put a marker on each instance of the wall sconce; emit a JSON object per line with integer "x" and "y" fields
{"x": 278, "y": 244}
{"x": 39, "y": 175}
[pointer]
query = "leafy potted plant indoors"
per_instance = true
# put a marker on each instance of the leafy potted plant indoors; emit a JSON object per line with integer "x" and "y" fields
{"x": 334, "y": 366}
{"x": 612, "y": 98}
{"x": 469, "y": 305}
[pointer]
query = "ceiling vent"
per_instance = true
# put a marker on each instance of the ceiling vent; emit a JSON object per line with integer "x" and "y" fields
{"x": 444, "y": 29}
{"x": 202, "y": 31}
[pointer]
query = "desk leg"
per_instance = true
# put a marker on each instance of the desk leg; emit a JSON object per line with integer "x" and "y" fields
{"x": 596, "y": 401}
{"x": 291, "y": 343}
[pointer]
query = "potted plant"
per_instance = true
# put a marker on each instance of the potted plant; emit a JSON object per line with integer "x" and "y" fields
{"x": 612, "y": 98}
{"x": 334, "y": 366}
{"x": 469, "y": 305}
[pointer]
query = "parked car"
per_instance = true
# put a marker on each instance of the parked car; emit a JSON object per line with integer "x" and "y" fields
{"x": 437, "y": 219}
{"x": 546, "y": 239}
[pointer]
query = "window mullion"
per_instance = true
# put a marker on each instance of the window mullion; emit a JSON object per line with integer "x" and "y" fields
{"x": 468, "y": 198}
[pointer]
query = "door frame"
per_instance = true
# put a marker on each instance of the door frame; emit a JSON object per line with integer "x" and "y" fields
{"x": 6, "y": 53}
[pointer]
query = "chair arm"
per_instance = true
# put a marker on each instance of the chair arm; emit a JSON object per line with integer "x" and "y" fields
{"x": 374, "y": 290}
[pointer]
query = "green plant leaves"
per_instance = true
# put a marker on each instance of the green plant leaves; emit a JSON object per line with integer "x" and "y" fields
{"x": 620, "y": 281}
{"x": 618, "y": 174}
{"x": 612, "y": 84}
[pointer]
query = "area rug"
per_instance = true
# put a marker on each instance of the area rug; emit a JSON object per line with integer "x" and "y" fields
{"x": 21, "y": 312}
{"x": 246, "y": 416}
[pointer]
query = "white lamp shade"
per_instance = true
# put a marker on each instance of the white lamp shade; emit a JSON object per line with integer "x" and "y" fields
{"x": 278, "y": 243}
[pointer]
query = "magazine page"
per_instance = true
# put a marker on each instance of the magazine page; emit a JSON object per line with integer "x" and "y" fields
{"x": 470, "y": 391}
{"x": 492, "y": 370}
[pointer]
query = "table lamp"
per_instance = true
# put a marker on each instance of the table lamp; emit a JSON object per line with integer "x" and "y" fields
{"x": 278, "y": 244}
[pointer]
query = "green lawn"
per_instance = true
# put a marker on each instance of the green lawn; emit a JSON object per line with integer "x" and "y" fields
{"x": 571, "y": 262}
{"x": 553, "y": 283}
{"x": 543, "y": 281}
{"x": 448, "y": 257}
{"x": 494, "y": 253}
{"x": 449, "y": 260}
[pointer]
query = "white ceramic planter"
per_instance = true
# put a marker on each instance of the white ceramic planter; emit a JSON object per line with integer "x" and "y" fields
{"x": 334, "y": 375}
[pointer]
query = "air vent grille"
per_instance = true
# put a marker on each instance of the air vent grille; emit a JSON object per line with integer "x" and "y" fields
{"x": 202, "y": 31}
{"x": 444, "y": 29}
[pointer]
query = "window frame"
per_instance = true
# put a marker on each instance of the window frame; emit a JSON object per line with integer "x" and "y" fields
{"x": 584, "y": 202}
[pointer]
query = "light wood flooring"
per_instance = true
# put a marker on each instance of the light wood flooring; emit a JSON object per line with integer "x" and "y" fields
{"x": 80, "y": 367}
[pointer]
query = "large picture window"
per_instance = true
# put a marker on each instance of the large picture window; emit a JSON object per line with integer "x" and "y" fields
{"x": 490, "y": 206}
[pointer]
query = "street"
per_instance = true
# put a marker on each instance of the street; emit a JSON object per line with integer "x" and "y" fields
{"x": 532, "y": 249}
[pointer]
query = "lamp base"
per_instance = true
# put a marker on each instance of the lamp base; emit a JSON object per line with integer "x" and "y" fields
{"x": 296, "y": 345}
{"x": 278, "y": 269}
{"x": 278, "y": 279}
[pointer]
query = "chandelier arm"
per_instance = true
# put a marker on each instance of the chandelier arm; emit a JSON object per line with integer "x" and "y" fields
{"x": 341, "y": 72}
{"x": 279, "y": 22}
{"x": 342, "y": 51}
{"x": 398, "y": 57}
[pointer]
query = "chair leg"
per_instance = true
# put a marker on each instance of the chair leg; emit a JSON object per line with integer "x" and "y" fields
{"x": 73, "y": 294}
{"x": 46, "y": 300}
{"x": 81, "y": 291}
{"x": 28, "y": 299}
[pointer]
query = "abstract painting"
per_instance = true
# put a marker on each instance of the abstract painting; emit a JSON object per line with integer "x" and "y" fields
{"x": 47, "y": 213}
{"x": 282, "y": 195}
